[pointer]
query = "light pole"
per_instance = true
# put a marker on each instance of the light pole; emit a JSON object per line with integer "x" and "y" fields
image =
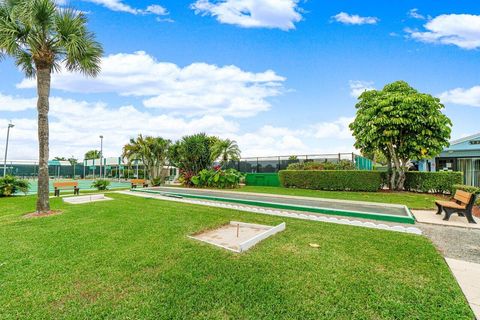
{"x": 101, "y": 155}
{"x": 6, "y": 150}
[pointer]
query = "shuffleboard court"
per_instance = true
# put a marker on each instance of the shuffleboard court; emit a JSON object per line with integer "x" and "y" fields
{"x": 366, "y": 210}
{"x": 82, "y": 184}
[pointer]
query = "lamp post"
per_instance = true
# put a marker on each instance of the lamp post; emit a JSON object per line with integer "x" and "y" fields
{"x": 6, "y": 150}
{"x": 101, "y": 155}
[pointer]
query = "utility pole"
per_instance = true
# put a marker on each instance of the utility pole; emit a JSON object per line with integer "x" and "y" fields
{"x": 6, "y": 150}
{"x": 101, "y": 155}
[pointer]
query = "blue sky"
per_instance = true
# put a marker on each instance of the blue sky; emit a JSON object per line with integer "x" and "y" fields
{"x": 279, "y": 76}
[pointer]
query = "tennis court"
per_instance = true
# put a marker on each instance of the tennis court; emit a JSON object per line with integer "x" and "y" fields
{"x": 82, "y": 184}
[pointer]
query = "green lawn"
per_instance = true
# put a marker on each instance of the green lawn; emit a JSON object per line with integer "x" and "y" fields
{"x": 410, "y": 199}
{"x": 130, "y": 259}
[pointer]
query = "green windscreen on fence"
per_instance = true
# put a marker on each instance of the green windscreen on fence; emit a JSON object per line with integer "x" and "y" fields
{"x": 262, "y": 179}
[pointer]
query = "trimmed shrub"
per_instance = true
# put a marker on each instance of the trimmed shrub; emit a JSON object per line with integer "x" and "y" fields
{"x": 340, "y": 180}
{"x": 222, "y": 179}
{"x": 9, "y": 185}
{"x": 436, "y": 182}
{"x": 312, "y": 165}
{"x": 101, "y": 184}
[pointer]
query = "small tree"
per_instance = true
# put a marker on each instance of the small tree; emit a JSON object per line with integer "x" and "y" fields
{"x": 191, "y": 155}
{"x": 403, "y": 124}
{"x": 92, "y": 154}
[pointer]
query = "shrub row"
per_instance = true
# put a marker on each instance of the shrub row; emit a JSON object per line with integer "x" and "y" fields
{"x": 355, "y": 180}
{"x": 436, "y": 182}
{"x": 311, "y": 165}
{"x": 341, "y": 180}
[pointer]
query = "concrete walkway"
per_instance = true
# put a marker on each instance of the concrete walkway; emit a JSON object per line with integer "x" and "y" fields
{"x": 468, "y": 277}
{"x": 430, "y": 217}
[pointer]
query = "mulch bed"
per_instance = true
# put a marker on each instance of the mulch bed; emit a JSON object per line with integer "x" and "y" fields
{"x": 42, "y": 214}
{"x": 476, "y": 211}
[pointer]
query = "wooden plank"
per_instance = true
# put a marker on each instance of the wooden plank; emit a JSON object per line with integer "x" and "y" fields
{"x": 463, "y": 196}
{"x": 65, "y": 184}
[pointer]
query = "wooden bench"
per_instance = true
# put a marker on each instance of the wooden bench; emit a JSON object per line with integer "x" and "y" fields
{"x": 462, "y": 204}
{"x": 139, "y": 182}
{"x": 65, "y": 185}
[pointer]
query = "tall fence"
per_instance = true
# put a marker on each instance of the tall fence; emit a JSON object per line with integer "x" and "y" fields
{"x": 277, "y": 163}
{"x": 28, "y": 169}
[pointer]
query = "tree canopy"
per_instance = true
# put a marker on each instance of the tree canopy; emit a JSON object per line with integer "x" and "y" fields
{"x": 403, "y": 124}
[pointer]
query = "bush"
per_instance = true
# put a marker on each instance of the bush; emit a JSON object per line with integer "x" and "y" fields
{"x": 311, "y": 165}
{"x": 101, "y": 184}
{"x": 9, "y": 185}
{"x": 222, "y": 179}
{"x": 157, "y": 181}
{"x": 471, "y": 189}
{"x": 342, "y": 180}
{"x": 436, "y": 182}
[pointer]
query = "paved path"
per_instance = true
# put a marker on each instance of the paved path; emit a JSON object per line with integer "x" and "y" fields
{"x": 468, "y": 277}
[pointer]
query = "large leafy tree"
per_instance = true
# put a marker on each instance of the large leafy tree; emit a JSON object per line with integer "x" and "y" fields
{"x": 403, "y": 124}
{"x": 225, "y": 150}
{"x": 191, "y": 155}
{"x": 92, "y": 154}
{"x": 152, "y": 151}
{"x": 43, "y": 38}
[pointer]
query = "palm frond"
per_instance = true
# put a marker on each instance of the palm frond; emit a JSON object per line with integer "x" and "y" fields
{"x": 24, "y": 60}
{"x": 82, "y": 52}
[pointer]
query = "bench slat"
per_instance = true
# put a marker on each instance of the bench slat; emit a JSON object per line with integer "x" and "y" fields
{"x": 462, "y": 196}
{"x": 65, "y": 184}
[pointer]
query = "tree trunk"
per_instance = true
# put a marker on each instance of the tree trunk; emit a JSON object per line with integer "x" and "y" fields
{"x": 43, "y": 90}
{"x": 397, "y": 184}
{"x": 390, "y": 173}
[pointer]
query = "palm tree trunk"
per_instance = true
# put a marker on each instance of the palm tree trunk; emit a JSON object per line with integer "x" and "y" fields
{"x": 43, "y": 90}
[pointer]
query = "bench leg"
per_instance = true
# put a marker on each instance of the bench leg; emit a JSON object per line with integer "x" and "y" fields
{"x": 134, "y": 186}
{"x": 469, "y": 216}
{"x": 440, "y": 209}
{"x": 448, "y": 213}
{"x": 57, "y": 193}
{"x": 76, "y": 191}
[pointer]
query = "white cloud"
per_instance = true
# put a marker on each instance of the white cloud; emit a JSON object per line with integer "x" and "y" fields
{"x": 157, "y": 9}
{"x": 76, "y": 125}
{"x": 461, "y": 30}
{"x": 197, "y": 89}
{"x": 468, "y": 97}
{"x": 280, "y": 14}
{"x": 413, "y": 13}
{"x": 15, "y": 104}
{"x": 346, "y": 18}
{"x": 357, "y": 87}
{"x": 120, "y": 6}
{"x": 337, "y": 129}
{"x": 115, "y": 5}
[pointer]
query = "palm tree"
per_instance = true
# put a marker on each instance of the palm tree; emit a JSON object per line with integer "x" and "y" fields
{"x": 152, "y": 151}
{"x": 225, "y": 150}
{"x": 42, "y": 38}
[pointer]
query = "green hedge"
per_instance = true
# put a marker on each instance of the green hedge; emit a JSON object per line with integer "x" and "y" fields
{"x": 437, "y": 182}
{"x": 342, "y": 180}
